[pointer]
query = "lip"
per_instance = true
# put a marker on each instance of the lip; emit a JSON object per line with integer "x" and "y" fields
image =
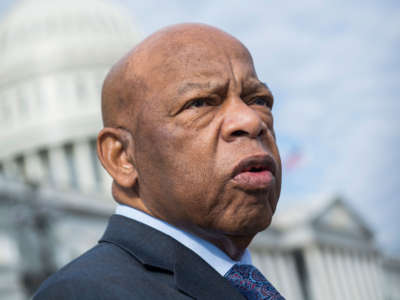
{"x": 244, "y": 175}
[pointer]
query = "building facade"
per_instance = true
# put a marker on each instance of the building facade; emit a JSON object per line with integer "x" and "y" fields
{"x": 327, "y": 252}
{"x": 55, "y": 197}
{"x": 321, "y": 252}
{"x": 54, "y": 55}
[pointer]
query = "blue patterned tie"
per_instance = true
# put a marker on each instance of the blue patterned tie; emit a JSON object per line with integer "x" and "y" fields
{"x": 251, "y": 283}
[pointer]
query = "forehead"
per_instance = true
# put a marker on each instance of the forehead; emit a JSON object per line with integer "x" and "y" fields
{"x": 186, "y": 49}
{"x": 201, "y": 61}
{"x": 171, "y": 63}
{"x": 209, "y": 58}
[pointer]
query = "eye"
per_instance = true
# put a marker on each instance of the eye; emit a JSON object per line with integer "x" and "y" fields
{"x": 200, "y": 102}
{"x": 261, "y": 101}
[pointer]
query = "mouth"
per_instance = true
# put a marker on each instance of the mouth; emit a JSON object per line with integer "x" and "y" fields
{"x": 255, "y": 172}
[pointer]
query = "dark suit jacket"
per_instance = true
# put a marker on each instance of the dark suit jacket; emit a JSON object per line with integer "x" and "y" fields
{"x": 135, "y": 261}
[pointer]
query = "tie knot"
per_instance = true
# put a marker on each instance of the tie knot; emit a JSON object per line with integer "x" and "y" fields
{"x": 251, "y": 283}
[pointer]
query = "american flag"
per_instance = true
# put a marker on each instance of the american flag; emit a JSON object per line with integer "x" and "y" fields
{"x": 293, "y": 159}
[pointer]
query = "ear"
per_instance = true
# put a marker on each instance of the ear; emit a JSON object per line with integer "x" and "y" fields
{"x": 115, "y": 149}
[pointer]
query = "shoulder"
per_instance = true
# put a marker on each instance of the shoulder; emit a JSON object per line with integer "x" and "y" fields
{"x": 104, "y": 272}
{"x": 76, "y": 288}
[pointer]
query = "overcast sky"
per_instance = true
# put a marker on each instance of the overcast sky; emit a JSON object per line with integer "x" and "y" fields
{"x": 334, "y": 69}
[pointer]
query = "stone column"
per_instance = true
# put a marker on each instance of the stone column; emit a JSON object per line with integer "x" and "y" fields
{"x": 106, "y": 182}
{"x": 356, "y": 274}
{"x": 58, "y": 167}
{"x": 35, "y": 171}
{"x": 285, "y": 284}
{"x": 293, "y": 282}
{"x": 317, "y": 282}
{"x": 333, "y": 282}
{"x": 361, "y": 275}
{"x": 259, "y": 260}
{"x": 277, "y": 278}
{"x": 354, "y": 288}
{"x": 324, "y": 273}
{"x": 10, "y": 168}
{"x": 341, "y": 274}
{"x": 376, "y": 267}
{"x": 367, "y": 276}
{"x": 268, "y": 267}
{"x": 84, "y": 166}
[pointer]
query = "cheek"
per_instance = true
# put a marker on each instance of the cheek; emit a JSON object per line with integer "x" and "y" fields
{"x": 174, "y": 158}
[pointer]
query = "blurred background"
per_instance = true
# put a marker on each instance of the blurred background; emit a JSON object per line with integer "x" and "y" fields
{"x": 334, "y": 69}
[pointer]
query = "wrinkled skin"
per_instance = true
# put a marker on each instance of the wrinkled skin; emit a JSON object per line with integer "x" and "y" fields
{"x": 181, "y": 110}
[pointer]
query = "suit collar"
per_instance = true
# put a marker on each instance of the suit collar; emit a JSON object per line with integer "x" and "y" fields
{"x": 211, "y": 254}
{"x": 201, "y": 281}
{"x": 193, "y": 276}
{"x": 139, "y": 240}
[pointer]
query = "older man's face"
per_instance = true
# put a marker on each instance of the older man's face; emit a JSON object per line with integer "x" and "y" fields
{"x": 204, "y": 141}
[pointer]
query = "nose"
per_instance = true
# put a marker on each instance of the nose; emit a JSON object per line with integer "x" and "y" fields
{"x": 241, "y": 120}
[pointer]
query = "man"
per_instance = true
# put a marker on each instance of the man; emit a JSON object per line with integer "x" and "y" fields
{"x": 188, "y": 139}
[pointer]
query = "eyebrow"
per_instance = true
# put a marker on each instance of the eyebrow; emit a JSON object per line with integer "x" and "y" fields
{"x": 211, "y": 86}
{"x": 254, "y": 84}
{"x": 189, "y": 86}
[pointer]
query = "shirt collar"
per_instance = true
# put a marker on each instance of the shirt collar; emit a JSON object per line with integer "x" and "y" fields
{"x": 215, "y": 257}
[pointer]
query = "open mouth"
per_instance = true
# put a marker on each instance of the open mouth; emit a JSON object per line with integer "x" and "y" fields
{"x": 255, "y": 172}
{"x": 255, "y": 169}
{"x": 255, "y": 164}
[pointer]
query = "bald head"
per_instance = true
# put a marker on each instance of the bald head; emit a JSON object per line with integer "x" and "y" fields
{"x": 152, "y": 62}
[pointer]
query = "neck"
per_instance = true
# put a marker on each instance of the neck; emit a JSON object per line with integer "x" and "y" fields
{"x": 128, "y": 197}
{"x": 233, "y": 246}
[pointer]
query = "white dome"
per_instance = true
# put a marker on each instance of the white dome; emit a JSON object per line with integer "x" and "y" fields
{"x": 54, "y": 55}
{"x": 43, "y": 35}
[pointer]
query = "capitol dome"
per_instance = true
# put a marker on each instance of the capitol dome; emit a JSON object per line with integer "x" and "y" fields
{"x": 54, "y": 55}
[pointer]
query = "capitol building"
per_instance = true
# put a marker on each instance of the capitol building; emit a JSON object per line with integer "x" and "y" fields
{"x": 55, "y": 197}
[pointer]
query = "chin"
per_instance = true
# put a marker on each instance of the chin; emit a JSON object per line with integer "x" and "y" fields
{"x": 245, "y": 217}
{"x": 249, "y": 226}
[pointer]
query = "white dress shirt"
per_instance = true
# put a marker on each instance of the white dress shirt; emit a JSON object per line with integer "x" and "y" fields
{"x": 215, "y": 257}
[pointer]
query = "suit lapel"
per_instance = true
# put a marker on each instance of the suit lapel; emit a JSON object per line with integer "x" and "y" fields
{"x": 193, "y": 276}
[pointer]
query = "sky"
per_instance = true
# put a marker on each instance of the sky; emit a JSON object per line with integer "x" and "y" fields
{"x": 334, "y": 69}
